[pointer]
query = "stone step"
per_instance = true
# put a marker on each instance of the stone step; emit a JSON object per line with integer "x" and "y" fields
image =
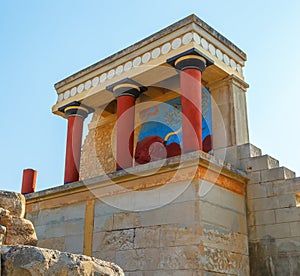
{"x": 274, "y": 174}
{"x": 248, "y": 150}
{"x": 259, "y": 163}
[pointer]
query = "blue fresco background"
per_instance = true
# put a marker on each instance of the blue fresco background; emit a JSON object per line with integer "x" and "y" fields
{"x": 166, "y": 117}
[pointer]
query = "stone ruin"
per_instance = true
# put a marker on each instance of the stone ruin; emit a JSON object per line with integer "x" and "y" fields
{"x": 20, "y": 256}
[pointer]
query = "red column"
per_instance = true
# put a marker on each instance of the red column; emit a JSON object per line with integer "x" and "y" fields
{"x": 75, "y": 116}
{"x": 191, "y": 67}
{"x": 191, "y": 101}
{"x": 125, "y": 91}
{"x": 28, "y": 181}
{"x": 125, "y": 131}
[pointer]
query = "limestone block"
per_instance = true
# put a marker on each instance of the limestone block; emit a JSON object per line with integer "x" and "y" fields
{"x": 28, "y": 260}
{"x": 287, "y": 201}
{"x": 103, "y": 223}
{"x": 260, "y": 163}
{"x": 218, "y": 216}
{"x": 262, "y": 190}
{"x": 114, "y": 240}
{"x": 287, "y": 215}
{"x": 286, "y": 186}
{"x": 276, "y": 174}
{"x": 126, "y": 220}
{"x": 13, "y": 202}
{"x": 18, "y": 230}
{"x": 222, "y": 261}
{"x": 139, "y": 259}
{"x": 146, "y": 237}
{"x": 262, "y": 218}
{"x": 295, "y": 229}
{"x": 278, "y": 230}
{"x": 260, "y": 204}
{"x": 248, "y": 150}
{"x": 185, "y": 213}
{"x": 181, "y": 257}
{"x": 178, "y": 235}
{"x": 255, "y": 177}
{"x": 214, "y": 237}
{"x": 222, "y": 197}
{"x": 61, "y": 229}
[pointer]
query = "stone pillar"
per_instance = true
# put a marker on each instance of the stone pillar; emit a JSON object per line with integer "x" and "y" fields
{"x": 191, "y": 68}
{"x": 229, "y": 112}
{"x": 126, "y": 92}
{"x": 229, "y": 117}
{"x": 75, "y": 113}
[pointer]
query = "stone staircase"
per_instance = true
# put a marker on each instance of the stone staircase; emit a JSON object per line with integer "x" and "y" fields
{"x": 249, "y": 158}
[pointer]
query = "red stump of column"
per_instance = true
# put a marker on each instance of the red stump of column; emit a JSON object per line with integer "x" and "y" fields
{"x": 125, "y": 131}
{"x": 29, "y": 181}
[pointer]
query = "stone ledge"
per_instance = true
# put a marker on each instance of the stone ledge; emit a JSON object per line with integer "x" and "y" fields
{"x": 167, "y": 165}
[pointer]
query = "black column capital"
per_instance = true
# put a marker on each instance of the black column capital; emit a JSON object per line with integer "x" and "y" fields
{"x": 191, "y": 59}
{"x": 76, "y": 109}
{"x": 126, "y": 87}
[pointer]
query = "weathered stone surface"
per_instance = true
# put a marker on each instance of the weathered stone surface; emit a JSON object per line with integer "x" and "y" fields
{"x": 35, "y": 261}
{"x": 18, "y": 230}
{"x": 13, "y": 202}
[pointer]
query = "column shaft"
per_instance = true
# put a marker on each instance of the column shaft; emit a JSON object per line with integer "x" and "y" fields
{"x": 125, "y": 131}
{"x": 73, "y": 148}
{"x": 191, "y": 101}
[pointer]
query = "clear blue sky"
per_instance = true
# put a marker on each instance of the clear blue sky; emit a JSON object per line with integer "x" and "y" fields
{"x": 43, "y": 42}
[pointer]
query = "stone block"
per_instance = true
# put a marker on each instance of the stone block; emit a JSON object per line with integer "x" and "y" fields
{"x": 286, "y": 186}
{"x": 222, "y": 261}
{"x": 254, "y": 177}
{"x": 188, "y": 192}
{"x": 63, "y": 229}
{"x": 262, "y": 190}
{"x": 276, "y": 174}
{"x": 261, "y": 217}
{"x": 13, "y": 202}
{"x": 103, "y": 223}
{"x": 248, "y": 150}
{"x": 185, "y": 213}
{"x": 126, "y": 220}
{"x": 146, "y": 237}
{"x": 138, "y": 259}
{"x": 259, "y": 163}
{"x": 287, "y": 201}
{"x": 221, "y": 197}
{"x": 214, "y": 237}
{"x": 176, "y": 235}
{"x": 278, "y": 230}
{"x": 180, "y": 257}
{"x": 260, "y": 204}
{"x": 113, "y": 240}
{"x": 104, "y": 209}
{"x": 222, "y": 217}
{"x": 295, "y": 229}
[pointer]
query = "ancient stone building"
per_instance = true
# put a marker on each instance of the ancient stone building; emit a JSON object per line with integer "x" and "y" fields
{"x": 166, "y": 182}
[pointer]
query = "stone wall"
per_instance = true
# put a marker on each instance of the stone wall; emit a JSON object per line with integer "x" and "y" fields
{"x": 273, "y": 213}
{"x": 97, "y": 151}
{"x": 197, "y": 227}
